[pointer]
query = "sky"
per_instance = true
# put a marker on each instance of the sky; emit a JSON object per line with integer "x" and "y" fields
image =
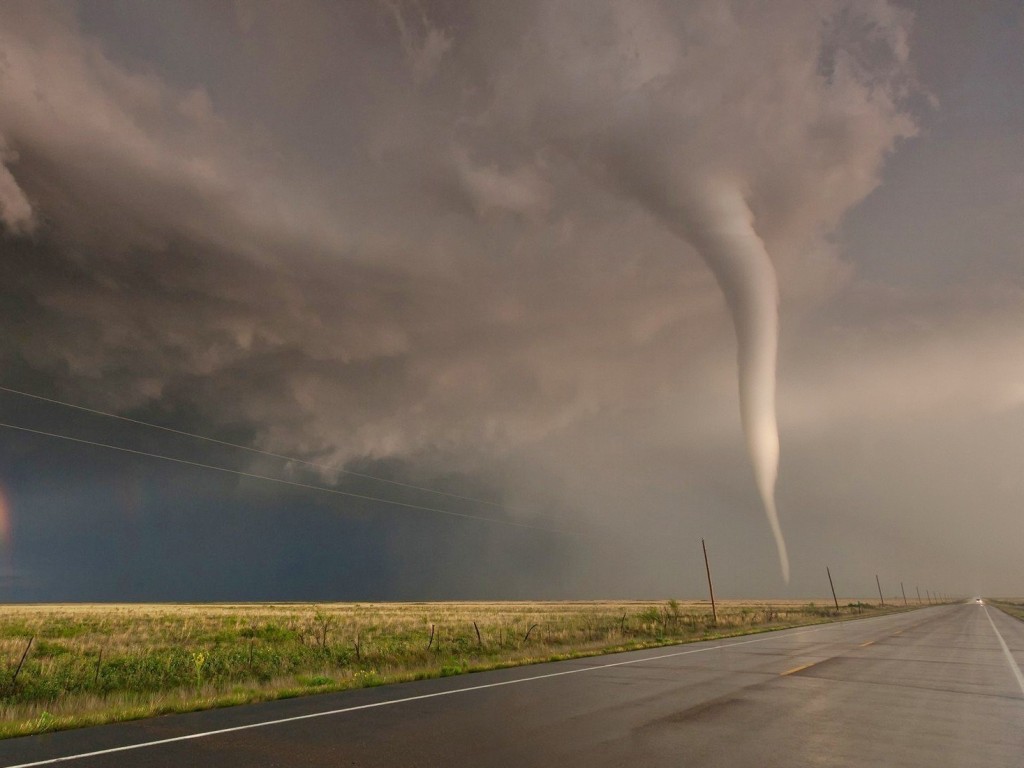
{"x": 479, "y": 300}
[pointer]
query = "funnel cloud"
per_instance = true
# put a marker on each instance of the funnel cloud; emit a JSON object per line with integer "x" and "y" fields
{"x": 721, "y": 228}
{"x": 651, "y": 101}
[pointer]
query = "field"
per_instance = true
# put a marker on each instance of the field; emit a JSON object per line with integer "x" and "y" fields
{"x": 73, "y": 665}
{"x": 1012, "y": 606}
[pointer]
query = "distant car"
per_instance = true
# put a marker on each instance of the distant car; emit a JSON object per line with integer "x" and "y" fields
{"x": 978, "y": 600}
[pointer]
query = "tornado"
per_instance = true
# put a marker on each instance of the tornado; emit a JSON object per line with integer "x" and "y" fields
{"x": 718, "y": 223}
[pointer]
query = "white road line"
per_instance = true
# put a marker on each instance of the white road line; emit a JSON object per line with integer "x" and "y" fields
{"x": 1006, "y": 652}
{"x": 265, "y": 723}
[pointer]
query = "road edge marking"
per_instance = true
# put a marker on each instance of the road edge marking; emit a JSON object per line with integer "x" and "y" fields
{"x": 1006, "y": 652}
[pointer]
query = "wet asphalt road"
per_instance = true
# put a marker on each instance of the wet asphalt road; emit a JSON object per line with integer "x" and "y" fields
{"x": 932, "y": 687}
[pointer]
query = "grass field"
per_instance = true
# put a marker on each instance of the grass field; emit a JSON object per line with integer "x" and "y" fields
{"x": 73, "y": 665}
{"x": 1012, "y": 606}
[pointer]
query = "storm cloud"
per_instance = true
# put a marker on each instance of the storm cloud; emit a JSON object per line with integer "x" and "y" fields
{"x": 469, "y": 248}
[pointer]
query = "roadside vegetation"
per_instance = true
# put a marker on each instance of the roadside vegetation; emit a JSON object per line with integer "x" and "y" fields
{"x": 74, "y": 665}
{"x": 1013, "y": 607}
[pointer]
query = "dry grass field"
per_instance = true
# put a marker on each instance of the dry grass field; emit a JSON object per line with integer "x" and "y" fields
{"x": 73, "y": 665}
{"x": 1013, "y": 606}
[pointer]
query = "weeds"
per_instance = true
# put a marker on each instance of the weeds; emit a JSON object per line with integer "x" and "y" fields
{"x": 93, "y": 664}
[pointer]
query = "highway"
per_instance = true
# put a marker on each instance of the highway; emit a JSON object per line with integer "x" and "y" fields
{"x": 939, "y": 686}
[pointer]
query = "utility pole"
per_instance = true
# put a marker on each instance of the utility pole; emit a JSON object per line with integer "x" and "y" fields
{"x": 832, "y": 588}
{"x": 918, "y": 595}
{"x": 904, "y": 594}
{"x": 711, "y": 589}
{"x": 879, "y": 590}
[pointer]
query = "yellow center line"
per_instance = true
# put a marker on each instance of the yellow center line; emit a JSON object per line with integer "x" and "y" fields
{"x": 802, "y": 667}
{"x": 794, "y": 670}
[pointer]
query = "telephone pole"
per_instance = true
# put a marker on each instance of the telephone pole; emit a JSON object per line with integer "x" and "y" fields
{"x": 832, "y": 587}
{"x": 711, "y": 589}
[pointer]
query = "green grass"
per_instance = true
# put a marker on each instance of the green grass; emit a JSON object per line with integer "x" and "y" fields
{"x": 91, "y": 664}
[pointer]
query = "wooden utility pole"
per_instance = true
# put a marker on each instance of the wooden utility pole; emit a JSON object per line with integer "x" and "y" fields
{"x": 904, "y": 594}
{"x": 832, "y": 587}
{"x": 711, "y": 589}
{"x": 919, "y": 600}
{"x": 879, "y": 589}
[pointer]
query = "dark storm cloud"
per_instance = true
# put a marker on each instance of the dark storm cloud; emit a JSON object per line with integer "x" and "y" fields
{"x": 195, "y": 244}
{"x": 455, "y": 239}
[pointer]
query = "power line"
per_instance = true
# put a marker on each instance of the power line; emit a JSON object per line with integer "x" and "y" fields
{"x": 292, "y": 483}
{"x": 258, "y": 451}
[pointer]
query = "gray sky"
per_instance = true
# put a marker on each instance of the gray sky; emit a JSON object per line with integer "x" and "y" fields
{"x": 453, "y": 247}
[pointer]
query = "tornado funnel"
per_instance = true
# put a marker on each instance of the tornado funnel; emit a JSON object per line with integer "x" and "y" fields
{"x": 718, "y": 222}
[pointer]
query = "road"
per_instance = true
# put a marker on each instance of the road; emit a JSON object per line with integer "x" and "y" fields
{"x": 940, "y": 686}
